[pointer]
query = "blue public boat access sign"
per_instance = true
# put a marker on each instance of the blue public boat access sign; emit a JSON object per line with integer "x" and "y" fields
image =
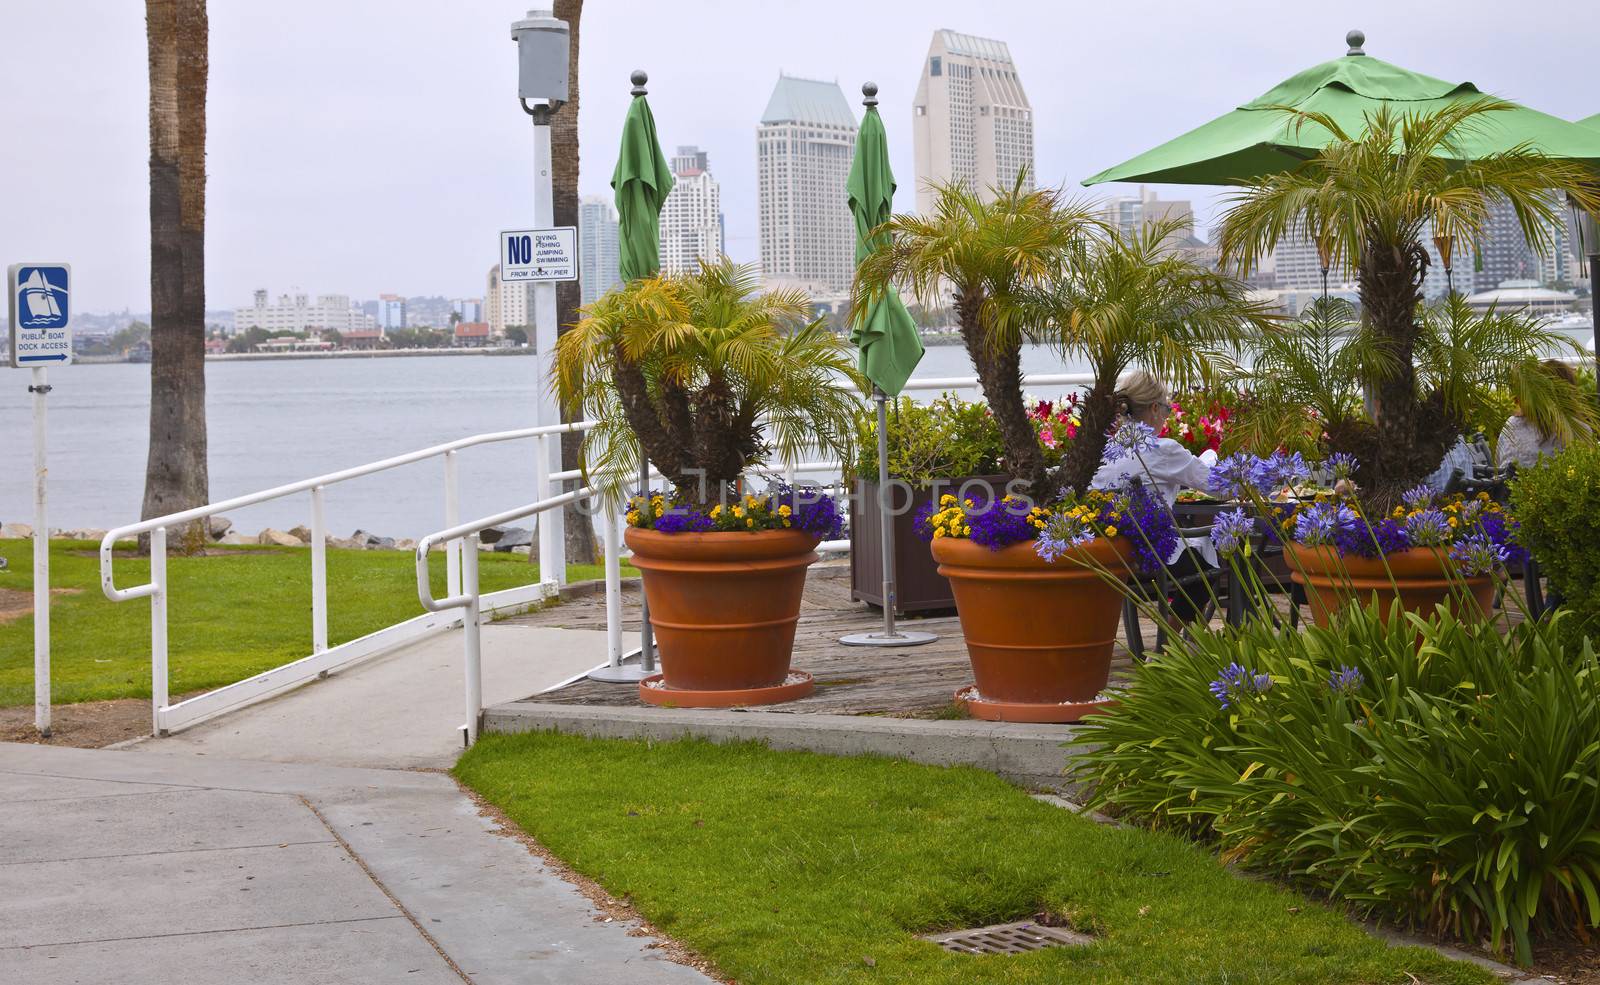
{"x": 40, "y": 311}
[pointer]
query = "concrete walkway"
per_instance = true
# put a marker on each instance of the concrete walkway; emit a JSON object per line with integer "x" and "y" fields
{"x": 401, "y": 710}
{"x": 121, "y": 866}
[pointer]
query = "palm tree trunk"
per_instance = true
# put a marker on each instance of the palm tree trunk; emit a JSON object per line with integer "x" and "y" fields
{"x": 1409, "y": 438}
{"x": 569, "y": 294}
{"x": 175, "y": 471}
{"x": 1097, "y": 413}
{"x": 1000, "y": 377}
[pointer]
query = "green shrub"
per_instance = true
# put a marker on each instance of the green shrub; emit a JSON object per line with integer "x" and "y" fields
{"x": 1453, "y": 784}
{"x": 1558, "y": 505}
{"x": 949, "y": 438}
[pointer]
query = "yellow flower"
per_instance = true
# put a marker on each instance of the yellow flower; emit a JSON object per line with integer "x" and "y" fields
{"x": 947, "y": 500}
{"x": 938, "y": 532}
{"x": 787, "y": 522}
{"x": 716, "y": 511}
{"x": 966, "y": 531}
{"x": 1113, "y": 515}
{"x": 750, "y": 522}
{"x": 785, "y": 510}
{"x": 738, "y": 511}
{"x": 1111, "y": 531}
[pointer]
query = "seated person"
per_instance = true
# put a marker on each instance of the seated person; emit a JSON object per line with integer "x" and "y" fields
{"x": 1523, "y": 441}
{"x": 1166, "y": 467}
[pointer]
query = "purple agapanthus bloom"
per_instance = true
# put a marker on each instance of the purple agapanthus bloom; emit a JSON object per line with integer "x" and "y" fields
{"x": 1322, "y": 523}
{"x": 1417, "y": 497}
{"x": 1061, "y": 535}
{"x": 1340, "y": 465}
{"x": 1501, "y": 531}
{"x": 1153, "y": 533}
{"x": 1478, "y": 555}
{"x": 1235, "y": 684}
{"x": 1346, "y": 680}
{"x": 1235, "y": 477}
{"x": 1430, "y": 528}
{"x": 1231, "y": 532}
{"x": 1128, "y": 438}
{"x": 1278, "y": 470}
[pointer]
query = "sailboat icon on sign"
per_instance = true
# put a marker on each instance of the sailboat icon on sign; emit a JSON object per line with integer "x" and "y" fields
{"x": 41, "y": 299}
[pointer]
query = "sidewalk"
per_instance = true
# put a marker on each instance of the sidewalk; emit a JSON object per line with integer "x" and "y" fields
{"x": 117, "y": 866}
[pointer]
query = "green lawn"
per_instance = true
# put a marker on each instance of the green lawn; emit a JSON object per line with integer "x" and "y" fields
{"x": 787, "y": 868}
{"x": 230, "y": 616}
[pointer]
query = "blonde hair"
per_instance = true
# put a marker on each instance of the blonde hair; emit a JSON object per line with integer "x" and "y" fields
{"x": 1138, "y": 391}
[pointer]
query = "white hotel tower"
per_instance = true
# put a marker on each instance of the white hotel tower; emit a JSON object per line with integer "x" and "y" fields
{"x": 804, "y": 146}
{"x": 971, "y": 121}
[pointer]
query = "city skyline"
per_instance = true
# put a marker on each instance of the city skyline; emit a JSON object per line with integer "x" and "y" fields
{"x": 423, "y": 220}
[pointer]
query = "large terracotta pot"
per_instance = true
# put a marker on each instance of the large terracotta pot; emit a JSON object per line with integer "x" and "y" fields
{"x": 1419, "y": 574}
{"x": 1039, "y": 635}
{"x": 724, "y": 608}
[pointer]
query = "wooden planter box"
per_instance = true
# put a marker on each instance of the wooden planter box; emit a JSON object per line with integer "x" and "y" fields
{"x": 918, "y": 585}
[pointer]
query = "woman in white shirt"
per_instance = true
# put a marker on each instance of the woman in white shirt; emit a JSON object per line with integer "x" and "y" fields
{"x": 1165, "y": 467}
{"x": 1522, "y": 441}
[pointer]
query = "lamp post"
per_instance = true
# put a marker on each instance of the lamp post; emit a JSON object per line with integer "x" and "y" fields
{"x": 542, "y": 46}
{"x": 1584, "y": 230}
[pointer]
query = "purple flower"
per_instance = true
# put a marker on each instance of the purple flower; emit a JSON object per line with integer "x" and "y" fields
{"x": 1235, "y": 477}
{"x": 1501, "y": 532}
{"x": 1417, "y": 497}
{"x": 680, "y": 520}
{"x": 1478, "y": 555}
{"x": 1430, "y": 528}
{"x": 1061, "y": 535}
{"x": 1371, "y": 540}
{"x": 1000, "y": 524}
{"x": 1279, "y": 470}
{"x": 1346, "y": 680}
{"x": 1340, "y": 465}
{"x": 1144, "y": 519}
{"x": 815, "y": 512}
{"x": 1128, "y": 438}
{"x": 1231, "y": 532}
{"x": 1235, "y": 684}
{"x": 1322, "y": 523}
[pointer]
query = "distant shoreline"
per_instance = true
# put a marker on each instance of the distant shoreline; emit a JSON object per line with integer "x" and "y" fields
{"x": 339, "y": 354}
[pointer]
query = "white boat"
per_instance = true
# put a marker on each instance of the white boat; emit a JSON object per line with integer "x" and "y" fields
{"x": 39, "y": 297}
{"x": 1578, "y": 328}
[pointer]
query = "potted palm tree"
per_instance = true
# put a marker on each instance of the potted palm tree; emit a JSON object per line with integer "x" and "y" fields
{"x": 1366, "y": 201}
{"x": 712, "y": 379}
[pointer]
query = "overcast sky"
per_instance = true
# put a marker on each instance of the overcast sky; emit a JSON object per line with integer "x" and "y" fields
{"x": 367, "y": 147}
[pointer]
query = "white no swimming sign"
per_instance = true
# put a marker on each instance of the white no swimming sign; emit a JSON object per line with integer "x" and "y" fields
{"x": 539, "y": 254}
{"x": 39, "y": 304}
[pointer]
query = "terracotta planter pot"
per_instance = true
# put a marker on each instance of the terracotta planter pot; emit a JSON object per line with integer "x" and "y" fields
{"x": 1039, "y": 635}
{"x": 724, "y": 608}
{"x": 918, "y": 585}
{"x": 1419, "y": 575}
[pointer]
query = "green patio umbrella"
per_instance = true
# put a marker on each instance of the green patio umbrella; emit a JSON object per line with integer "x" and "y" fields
{"x": 641, "y": 181}
{"x": 1259, "y": 138}
{"x": 887, "y": 339}
{"x": 1593, "y": 121}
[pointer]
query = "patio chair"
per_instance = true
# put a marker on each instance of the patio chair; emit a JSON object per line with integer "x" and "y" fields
{"x": 1209, "y": 585}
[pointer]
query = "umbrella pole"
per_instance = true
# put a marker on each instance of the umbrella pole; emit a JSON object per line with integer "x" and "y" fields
{"x": 1594, "y": 312}
{"x": 889, "y": 636}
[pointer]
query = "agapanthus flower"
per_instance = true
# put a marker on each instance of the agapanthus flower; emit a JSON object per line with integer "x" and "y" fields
{"x": 1235, "y": 477}
{"x": 1128, "y": 438}
{"x": 1235, "y": 684}
{"x": 1231, "y": 531}
{"x": 1501, "y": 531}
{"x": 1340, "y": 465}
{"x": 1321, "y": 523}
{"x": 1064, "y": 531}
{"x": 1417, "y": 497}
{"x": 1478, "y": 555}
{"x": 1278, "y": 470}
{"x": 1429, "y": 528}
{"x": 1346, "y": 680}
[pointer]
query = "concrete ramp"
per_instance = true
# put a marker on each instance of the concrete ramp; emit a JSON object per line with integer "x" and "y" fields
{"x": 402, "y": 710}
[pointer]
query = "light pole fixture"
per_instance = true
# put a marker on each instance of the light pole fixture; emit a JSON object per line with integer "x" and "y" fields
{"x": 1584, "y": 235}
{"x": 541, "y": 63}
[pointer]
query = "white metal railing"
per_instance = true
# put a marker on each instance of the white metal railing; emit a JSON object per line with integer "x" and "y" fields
{"x": 323, "y": 659}
{"x": 461, "y": 543}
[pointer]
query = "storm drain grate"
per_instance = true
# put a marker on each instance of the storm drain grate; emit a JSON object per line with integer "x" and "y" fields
{"x": 1008, "y": 938}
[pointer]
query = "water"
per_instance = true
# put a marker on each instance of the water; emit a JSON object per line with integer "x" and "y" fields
{"x": 275, "y": 422}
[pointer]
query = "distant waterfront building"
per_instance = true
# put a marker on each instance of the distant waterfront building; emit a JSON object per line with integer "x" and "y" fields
{"x": 971, "y": 122}
{"x": 691, "y": 217}
{"x": 1506, "y": 254}
{"x": 391, "y": 312}
{"x": 1130, "y": 213}
{"x": 470, "y": 309}
{"x": 804, "y": 145}
{"x": 507, "y": 304}
{"x": 1523, "y": 296}
{"x": 598, "y": 255}
{"x": 1298, "y": 266}
{"x": 299, "y": 314}
{"x": 471, "y": 334}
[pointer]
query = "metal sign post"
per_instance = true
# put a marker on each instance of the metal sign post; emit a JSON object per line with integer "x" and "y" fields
{"x": 39, "y": 304}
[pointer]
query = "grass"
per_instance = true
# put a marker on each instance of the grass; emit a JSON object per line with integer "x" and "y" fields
{"x": 791, "y": 867}
{"x": 230, "y": 615}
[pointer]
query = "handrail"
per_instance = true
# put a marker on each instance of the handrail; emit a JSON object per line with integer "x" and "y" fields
{"x": 461, "y": 530}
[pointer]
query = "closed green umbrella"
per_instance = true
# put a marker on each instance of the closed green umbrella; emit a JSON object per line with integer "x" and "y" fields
{"x": 887, "y": 338}
{"x": 1260, "y": 138}
{"x": 886, "y": 335}
{"x": 641, "y": 181}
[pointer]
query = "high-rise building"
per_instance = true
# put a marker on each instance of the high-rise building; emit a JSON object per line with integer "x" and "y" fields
{"x": 691, "y": 223}
{"x": 507, "y": 304}
{"x": 1298, "y": 266}
{"x": 470, "y": 309}
{"x": 597, "y": 247}
{"x": 1505, "y": 253}
{"x": 297, "y": 313}
{"x": 971, "y": 121}
{"x": 804, "y": 145}
{"x": 1130, "y": 213}
{"x": 391, "y": 312}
